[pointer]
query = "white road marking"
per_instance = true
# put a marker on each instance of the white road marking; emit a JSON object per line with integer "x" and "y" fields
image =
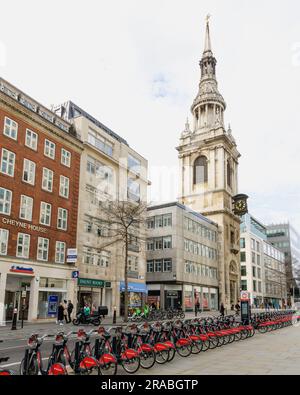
{"x": 16, "y": 363}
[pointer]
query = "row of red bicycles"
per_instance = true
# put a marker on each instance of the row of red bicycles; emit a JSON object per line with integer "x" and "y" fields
{"x": 140, "y": 346}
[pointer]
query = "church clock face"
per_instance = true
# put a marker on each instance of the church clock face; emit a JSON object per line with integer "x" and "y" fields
{"x": 240, "y": 206}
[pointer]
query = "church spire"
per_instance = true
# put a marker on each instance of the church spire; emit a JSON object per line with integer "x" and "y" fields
{"x": 209, "y": 106}
{"x": 207, "y": 45}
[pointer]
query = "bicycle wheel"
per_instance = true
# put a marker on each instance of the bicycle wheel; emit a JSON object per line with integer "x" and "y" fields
{"x": 213, "y": 342}
{"x": 147, "y": 359}
{"x": 132, "y": 365}
{"x": 109, "y": 369}
{"x": 32, "y": 369}
{"x": 161, "y": 357}
{"x": 205, "y": 345}
{"x": 184, "y": 351}
{"x": 92, "y": 371}
{"x": 197, "y": 347}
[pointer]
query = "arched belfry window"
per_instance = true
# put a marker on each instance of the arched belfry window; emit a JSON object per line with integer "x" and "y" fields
{"x": 229, "y": 174}
{"x": 200, "y": 170}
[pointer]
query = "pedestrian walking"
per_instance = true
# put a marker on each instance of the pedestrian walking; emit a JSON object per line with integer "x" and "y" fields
{"x": 197, "y": 308}
{"x": 65, "y": 306}
{"x": 70, "y": 308}
{"x": 222, "y": 309}
{"x": 60, "y": 314}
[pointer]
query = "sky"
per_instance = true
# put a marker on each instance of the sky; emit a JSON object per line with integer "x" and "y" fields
{"x": 134, "y": 65}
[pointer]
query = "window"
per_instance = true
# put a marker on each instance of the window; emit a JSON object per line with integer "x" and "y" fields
{"x": 257, "y": 246}
{"x": 134, "y": 164}
{"x": 232, "y": 238}
{"x": 64, "y": 186}
{"x": 159, "y": 221}
{"x": 45, "y": 214}
{"x": 5, "y": 201}
{"x": 259, "y": 286}
{"x": 3, "y": 241}
{"x": 23, "y": 244}
{"x": 243, "y": 256}
{"x": 158, "y": 244}
{"x": 150, "y": 245}
{"x": 167, "y": 265}
{"x": 151, "y": 223}
{"x": 65, "y": 158}
{"x": 229, "y": 174}
{"x": 29, "y": 171}
{"x": 242, "y": 243}
{"x": 157, "y": 265}
{"x": 62, "y": 219}
{"x": 49, "y": 149}
{"x": 7, "y": 162}
{"x": 167, "y": 220}
{"x": 258, "y": 272}
{"x": 244, "y": 285}
{"x": 133, "y": 190}
{"x": 88, "y": 257}
{"x": 254, "y": 271}
{"x": 167, "y": 242}
{"x": 43, "y": 248}
{"x": 10, "y": 128}
{"x": 253, "y": 244}
{"x": 31, "y": 139}
{"x": 100, "y": 143}
{"x": 60, "y": 252}
{"x": 150, "y": 267}
{"x": 200, "y": 170}
{"x": 253, "y": 257}
{"x": 243, "y": 271}
{"x": 254, "y": 285}
{"x": 258, "y": 259}
{"x": 26, "y": 205}
{"x": 47, "y": 182}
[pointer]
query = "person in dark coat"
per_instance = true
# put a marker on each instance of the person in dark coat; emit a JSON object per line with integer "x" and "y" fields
{"x": 60, "y": 314}
{"x": 222, "y": 309}
{"x": 70, "y": 309}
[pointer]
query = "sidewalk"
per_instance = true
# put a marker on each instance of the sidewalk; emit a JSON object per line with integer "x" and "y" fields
{"x": 51, "y": 328}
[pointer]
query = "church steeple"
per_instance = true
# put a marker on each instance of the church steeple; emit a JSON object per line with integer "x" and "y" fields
{"x": 209, "y": 106}
{"x": 207, "y": 45}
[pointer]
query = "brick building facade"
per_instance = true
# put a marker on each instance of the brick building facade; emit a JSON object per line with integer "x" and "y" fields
{"x": 39, "y": 187}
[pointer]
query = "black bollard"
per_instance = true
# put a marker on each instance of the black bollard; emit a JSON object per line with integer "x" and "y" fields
{"x": 14, "y": 321}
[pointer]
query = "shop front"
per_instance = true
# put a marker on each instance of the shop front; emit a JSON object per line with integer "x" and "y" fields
{"x": 34, "y": 290}
{"x": 137, "y": 295}
{"x": 91, "y": 292}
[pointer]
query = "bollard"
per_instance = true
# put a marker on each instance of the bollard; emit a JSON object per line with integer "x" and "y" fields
{"x": 14, "y": 321}
{"x": 115, "y": 315}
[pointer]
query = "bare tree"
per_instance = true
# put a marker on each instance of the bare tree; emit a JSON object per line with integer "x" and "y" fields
{"x": 125, "y": 220}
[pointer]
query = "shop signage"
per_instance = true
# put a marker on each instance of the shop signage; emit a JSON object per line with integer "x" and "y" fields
{"x": 71, "y": 255}
{"x": 52, "y": 305}
{"x": 24, "y": 225}
{"x": 134, "y": 287}
{"x": 20, "y": 269}
{"x": 88, "y": 282}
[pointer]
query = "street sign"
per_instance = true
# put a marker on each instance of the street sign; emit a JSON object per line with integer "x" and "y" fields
{"x": 245, "y": 296}
{"x": 71, "y": 255}
{"x": 75, "y": 274}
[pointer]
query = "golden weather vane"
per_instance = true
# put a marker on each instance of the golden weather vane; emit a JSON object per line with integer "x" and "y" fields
{"x": 208, "y": 16}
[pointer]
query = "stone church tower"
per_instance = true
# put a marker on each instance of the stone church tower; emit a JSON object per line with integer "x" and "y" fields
{"x": 208, "y": 158}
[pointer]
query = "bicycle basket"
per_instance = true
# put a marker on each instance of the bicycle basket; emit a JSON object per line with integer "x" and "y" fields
{"x": 144, "y": 329}
{"x": 177, "y": 324}
{"x": 33, "y": 340}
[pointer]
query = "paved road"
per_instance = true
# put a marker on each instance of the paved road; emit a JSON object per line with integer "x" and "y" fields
{"x": 272, "y": 353}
